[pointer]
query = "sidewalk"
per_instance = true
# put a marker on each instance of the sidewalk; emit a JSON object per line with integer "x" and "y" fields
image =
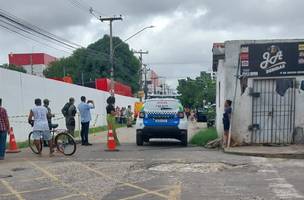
{"x": 291, "y": 151}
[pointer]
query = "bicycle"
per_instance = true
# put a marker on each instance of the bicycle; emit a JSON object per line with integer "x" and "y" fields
{"x": 62, "y": 140}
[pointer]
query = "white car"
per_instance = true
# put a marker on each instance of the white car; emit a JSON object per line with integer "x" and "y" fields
{"x": 161, "y": 118}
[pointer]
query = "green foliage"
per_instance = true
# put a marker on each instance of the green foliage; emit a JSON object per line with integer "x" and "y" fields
{"x": 195, "y": 91}
{"x": 93, "y": 62}
{"x": 202, "y": 137}
{"x": 13, "y": 67}
{"x": 211, "y": 112}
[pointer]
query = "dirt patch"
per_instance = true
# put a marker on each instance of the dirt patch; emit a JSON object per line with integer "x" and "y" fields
{"x": 194, "y": 167}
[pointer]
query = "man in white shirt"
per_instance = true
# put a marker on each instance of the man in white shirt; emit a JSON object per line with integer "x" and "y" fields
{"x": 38, "y": 119}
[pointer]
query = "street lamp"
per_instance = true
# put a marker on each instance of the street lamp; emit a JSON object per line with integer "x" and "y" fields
{"x": 113, "y": 50}
{"x": 141, "y": 30}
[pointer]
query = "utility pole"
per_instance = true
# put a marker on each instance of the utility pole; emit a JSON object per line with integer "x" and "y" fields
{"x": 32, "y": 68}
{"x": 146, "y": 83}
{"x": 111, "y": 19}
{"x": 141, "y": 52}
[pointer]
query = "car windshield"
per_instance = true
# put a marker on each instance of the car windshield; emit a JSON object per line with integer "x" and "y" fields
{"x": 162, "y": 105}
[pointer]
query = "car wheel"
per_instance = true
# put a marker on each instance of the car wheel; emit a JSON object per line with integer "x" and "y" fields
{"x": 139, "y": 138}
{"x": 184, "y": 138}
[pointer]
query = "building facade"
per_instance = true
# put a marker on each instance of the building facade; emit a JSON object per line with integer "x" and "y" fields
{"x": 33, "y": 63}
{"x": 265, "y": 81}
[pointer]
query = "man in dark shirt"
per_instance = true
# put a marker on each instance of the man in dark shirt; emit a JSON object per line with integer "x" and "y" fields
{"x": 69, "y": 111}
{"x": 226, "y": 121}
{"x": 4, "y": 128}
{"x": 49, "y": 116}
{"x": 111, "y": 117}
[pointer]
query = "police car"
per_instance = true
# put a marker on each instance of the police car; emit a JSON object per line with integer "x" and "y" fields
{"x": 161, "y": 118}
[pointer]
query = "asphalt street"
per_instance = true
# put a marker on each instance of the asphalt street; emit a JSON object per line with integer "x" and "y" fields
{"x": 155, "y": 171}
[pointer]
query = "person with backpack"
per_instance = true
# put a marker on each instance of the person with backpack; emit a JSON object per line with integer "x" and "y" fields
{"x": 69, "y": 111}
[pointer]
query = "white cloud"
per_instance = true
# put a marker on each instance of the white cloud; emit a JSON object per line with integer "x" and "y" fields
{"x": 179, "y": 45}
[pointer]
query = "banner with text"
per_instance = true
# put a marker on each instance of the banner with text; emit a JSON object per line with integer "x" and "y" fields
{"x": 272, "y": 59}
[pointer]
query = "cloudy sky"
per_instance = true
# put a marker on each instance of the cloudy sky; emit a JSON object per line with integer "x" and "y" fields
{"x": 180, "y": 44}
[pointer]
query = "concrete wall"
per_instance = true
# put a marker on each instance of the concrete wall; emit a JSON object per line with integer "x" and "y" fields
{"x": 18, "y": 91}
{"x": 242, "y": 104}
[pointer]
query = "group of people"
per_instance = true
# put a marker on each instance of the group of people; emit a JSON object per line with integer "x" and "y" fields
{"x": 69, "y": 112}
{"x": 40, "y": 118}
{"x": 124, "y": 115}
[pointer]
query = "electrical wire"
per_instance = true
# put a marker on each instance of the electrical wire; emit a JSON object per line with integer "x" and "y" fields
{"x": 34, "y": 30}
{"x": 86, "y": 8}
{"x": 36, "y": 27}
{"x": 28, "y": 32}
{"x": 28, "y": 38}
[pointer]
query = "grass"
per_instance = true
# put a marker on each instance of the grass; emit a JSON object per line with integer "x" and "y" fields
{"x": 24, "y": 144}
{"x": 202, "y": 137}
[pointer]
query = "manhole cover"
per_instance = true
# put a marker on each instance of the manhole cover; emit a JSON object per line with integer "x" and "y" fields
{"x": 18, "y": 169}
{"x": 193, "y": 167}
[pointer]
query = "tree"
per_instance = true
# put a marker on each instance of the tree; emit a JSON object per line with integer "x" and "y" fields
{"x": 93, "y": 62}
{"x": 13, "y": 67}
{"x": 195, "y": 91}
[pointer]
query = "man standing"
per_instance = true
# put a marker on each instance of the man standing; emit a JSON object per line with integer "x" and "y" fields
{"x": 129, "y": 114}
{"x": 85, "y": 115}
{"x": 4, "y": 127}
{"x": 69, "y": 111}
{"x": 41, "y": 130}
{"x": 226, "y": 121}
{"x": 46, "y": 104}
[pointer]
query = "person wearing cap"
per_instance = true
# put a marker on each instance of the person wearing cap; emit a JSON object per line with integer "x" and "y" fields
{"x": 69, "y": 111}
{"x": 46, "y": 104}
{"x": 4, "y": 130}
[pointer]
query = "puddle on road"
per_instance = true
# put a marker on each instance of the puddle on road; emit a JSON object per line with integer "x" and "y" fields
{"x": 194, "y": 167}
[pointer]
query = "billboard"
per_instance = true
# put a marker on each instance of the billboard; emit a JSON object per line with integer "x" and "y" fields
{"x": 218, "y": 52}
{"x": 272, "y": 59}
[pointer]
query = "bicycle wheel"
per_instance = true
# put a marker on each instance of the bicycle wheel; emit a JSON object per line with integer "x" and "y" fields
{"x": 35, "y": 145}
{"x": 65, "y": 144}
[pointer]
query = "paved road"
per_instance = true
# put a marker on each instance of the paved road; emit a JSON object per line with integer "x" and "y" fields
{"x": 160, "y": 170}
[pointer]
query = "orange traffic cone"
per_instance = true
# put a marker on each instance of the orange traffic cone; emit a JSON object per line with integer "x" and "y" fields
{"x": 111, "y": 141}
{"x": 13, "y": 148}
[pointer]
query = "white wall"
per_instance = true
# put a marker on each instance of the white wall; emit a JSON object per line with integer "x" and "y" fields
{"x": 242, "y": 104}
{"x": 18, "y": 91}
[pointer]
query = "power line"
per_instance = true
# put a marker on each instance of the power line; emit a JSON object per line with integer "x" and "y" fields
{"x": 28, "y": 38}
{"x": 33, "y": 30}
{"x": 36, "y": 27}
{"x": 26, "y": 31}
{"x": 86, "y": 8}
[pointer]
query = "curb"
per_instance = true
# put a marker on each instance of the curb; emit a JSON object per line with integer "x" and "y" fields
{"x": 268, "y": 155}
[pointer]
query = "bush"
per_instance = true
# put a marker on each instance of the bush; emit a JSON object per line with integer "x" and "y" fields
{"x": 204, "y": 136}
